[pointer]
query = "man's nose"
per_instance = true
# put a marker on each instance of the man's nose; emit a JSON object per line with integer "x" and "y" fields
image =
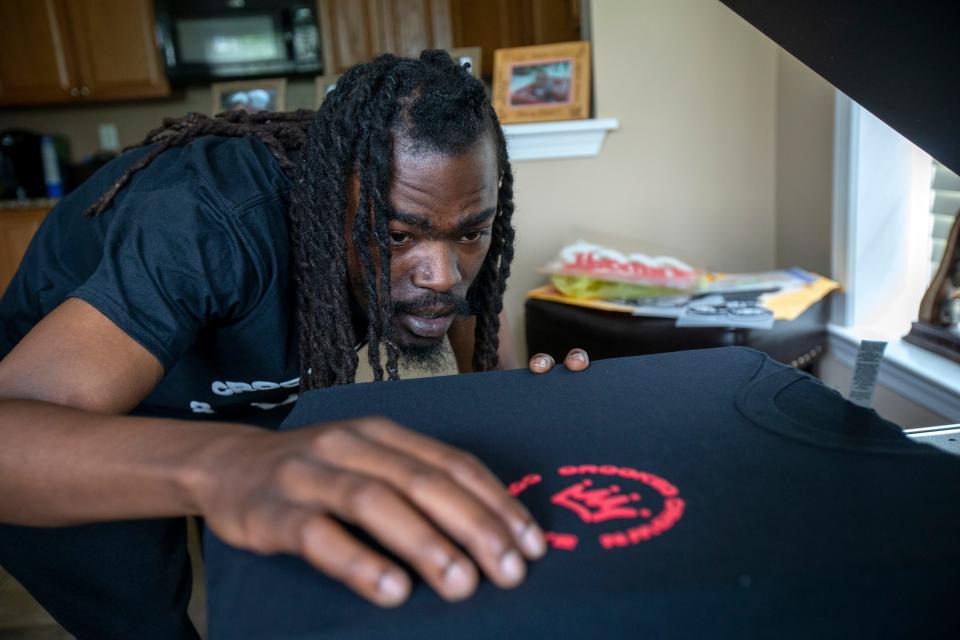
{"x": 438, "y": 268}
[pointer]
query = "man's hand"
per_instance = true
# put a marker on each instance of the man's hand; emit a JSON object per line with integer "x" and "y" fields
{"x": 576, "y": 360}
{"x": 419, "y": 498}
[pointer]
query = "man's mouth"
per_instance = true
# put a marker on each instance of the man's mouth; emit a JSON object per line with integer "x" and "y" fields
{"x": 428, "y": 324}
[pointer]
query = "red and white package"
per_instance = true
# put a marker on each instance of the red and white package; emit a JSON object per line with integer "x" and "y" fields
{"x": 589, "y": 260}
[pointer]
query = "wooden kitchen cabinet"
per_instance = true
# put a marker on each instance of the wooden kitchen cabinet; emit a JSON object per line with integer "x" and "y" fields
{"x": 116, "y": 48}
{"x": 56, "y": 51}
{"x": 35, "y": 63}
{"x": 17, "y": 227}
{"x": 407, "y": 27}
{"x": 356, "y": 30}
{"x": 499, "y": 24}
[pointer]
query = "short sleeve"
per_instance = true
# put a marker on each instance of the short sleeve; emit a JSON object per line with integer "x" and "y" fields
{"x": 173, "y": 262}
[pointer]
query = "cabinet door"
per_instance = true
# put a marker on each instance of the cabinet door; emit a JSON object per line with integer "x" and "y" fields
{"x": 35, "y": 63}
{"x": 554, "y": 21}
{"x": 356, "y": 30}
{"x": 499, "y": 24}
{"x": 490, "y": 25}
{"x": 16, "y": 230}
{"x": 407, "y": 27}
{"x": 349, "y": 33}
{"x": 116, "y": 49}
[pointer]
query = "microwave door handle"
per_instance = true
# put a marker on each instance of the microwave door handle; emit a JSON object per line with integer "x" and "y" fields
{"x": 165, "y": 43}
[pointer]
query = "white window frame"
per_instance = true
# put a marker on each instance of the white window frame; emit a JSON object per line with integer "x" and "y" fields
{"x": 881, "y": 252}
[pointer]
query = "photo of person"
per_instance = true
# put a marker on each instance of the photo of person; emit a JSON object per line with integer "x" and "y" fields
{"x": 250, "y": 96}
{"x": 542, "y": 83}
{"x": 250, "y": 101}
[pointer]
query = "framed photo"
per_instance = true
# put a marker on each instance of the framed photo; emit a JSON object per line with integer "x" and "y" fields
{"x": 324, "y": 85}
{"x": 541, "y": 83}
{"x": 269, "y": 94}
{"x": 472, "y": 55}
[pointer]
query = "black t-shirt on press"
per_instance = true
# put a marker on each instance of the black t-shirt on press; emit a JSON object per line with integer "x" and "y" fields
{"x": 708, "y": 493}
{"x": 191, "y": 261}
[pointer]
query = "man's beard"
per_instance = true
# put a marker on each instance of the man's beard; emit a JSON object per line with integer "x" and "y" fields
{"x": 431, "y": 357}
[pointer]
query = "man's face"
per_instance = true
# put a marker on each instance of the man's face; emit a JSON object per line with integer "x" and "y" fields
{"x": 444, "y": 211}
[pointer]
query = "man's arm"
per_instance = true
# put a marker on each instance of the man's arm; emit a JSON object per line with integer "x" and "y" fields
{"x": 69, "y": 457}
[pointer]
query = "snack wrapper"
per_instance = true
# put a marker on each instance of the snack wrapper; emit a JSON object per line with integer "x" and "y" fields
{"x": 661, "y": 275}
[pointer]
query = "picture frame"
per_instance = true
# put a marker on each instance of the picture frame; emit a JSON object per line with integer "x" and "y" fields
{"x": 473, "y": 55}
{"x": 267, "y": 94}
{"x": 322, "y": 86}
{"x": 542, "y": 83}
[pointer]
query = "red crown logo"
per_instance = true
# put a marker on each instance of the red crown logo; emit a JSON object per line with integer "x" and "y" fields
{"x": 598, "y": 505}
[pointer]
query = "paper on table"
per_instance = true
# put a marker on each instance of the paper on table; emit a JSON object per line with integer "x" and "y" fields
{"x": 785, "y": 306}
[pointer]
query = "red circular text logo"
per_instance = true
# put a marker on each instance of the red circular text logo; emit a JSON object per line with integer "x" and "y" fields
{"x": 637, "y": 504}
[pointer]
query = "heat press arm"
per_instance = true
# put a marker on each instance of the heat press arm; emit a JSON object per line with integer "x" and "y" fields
{"x": 946, "y": 437}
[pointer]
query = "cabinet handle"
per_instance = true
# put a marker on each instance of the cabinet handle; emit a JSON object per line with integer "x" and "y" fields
{"x": 84, "y": 91}
{"x": 74, "y": 92}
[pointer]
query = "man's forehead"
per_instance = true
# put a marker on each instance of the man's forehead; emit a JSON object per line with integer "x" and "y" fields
{"x": 416, "y": 154}
{"x": 425, "y": 183}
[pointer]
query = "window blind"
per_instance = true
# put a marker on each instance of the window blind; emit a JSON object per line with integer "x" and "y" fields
{"x": 945, "y": 203}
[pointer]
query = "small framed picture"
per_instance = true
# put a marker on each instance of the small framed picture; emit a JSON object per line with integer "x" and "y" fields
{"x": 542, "y": 83}
{"x": 269, "y": 94}
{"x": 472, "y": 55}
{"x": 324, "y": 85}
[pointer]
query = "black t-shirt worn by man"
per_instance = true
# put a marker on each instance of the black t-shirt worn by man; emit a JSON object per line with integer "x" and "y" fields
{"x": 191, "y": 262}
{"x": 699, "y": 494}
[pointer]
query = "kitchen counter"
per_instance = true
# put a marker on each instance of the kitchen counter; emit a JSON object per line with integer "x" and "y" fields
{"x": 29, "y": 203}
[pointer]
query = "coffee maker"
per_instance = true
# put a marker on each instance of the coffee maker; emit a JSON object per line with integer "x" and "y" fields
{"x": 21, "y": 165}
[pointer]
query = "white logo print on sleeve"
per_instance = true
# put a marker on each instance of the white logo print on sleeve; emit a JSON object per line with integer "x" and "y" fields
{"x": 228, "y": 388}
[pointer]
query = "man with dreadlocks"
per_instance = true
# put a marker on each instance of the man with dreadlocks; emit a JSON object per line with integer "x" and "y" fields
{"x": 220, "y": 266}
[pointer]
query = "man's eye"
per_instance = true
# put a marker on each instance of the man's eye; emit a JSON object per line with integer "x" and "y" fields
{"x": 473, "y": 236}
{"x": 398, "y": 238}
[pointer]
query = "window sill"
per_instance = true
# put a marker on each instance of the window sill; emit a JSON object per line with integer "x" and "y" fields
{"x": 564, "y": 139}
{"x": 911, "y": 371}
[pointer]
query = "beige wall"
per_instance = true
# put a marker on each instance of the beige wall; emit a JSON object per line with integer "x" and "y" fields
{"x": 691, "y": 169}
{"x": 804, "y": 167}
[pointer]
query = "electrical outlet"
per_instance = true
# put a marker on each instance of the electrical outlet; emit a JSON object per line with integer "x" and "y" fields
{"x": 109, "y": 137}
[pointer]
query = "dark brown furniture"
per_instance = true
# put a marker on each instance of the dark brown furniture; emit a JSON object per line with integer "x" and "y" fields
{"x": 556, "y": 328}
{"x": 17, "y": 226}
{"x": 56, "y": 51}
{"x": 356, "y": 30}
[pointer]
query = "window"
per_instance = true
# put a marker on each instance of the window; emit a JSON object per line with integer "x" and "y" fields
{"x": 884, "y": 243}
{"x": 944, "y": 204}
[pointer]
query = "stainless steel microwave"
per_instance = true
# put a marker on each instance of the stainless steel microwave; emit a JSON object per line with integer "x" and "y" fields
{"x": 208, "y": 40}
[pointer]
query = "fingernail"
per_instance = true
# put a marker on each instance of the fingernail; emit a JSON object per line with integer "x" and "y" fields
{"x": 540, "y": 362}
{"x": 458, "y": 578}
{"x": 579, "y": 355}
{"x": 393, "y": 587}
{"x": 533, "y": 542}
{"x": 512, "y": 567}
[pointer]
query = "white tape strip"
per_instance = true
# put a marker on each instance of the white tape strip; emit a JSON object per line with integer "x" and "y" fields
{"x": 865, "y": 372}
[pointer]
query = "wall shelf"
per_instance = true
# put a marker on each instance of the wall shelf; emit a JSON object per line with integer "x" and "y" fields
{"x": 563, "y": 139}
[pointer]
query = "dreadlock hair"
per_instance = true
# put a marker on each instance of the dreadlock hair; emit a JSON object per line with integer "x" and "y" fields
{"x": 431, "y": 103}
